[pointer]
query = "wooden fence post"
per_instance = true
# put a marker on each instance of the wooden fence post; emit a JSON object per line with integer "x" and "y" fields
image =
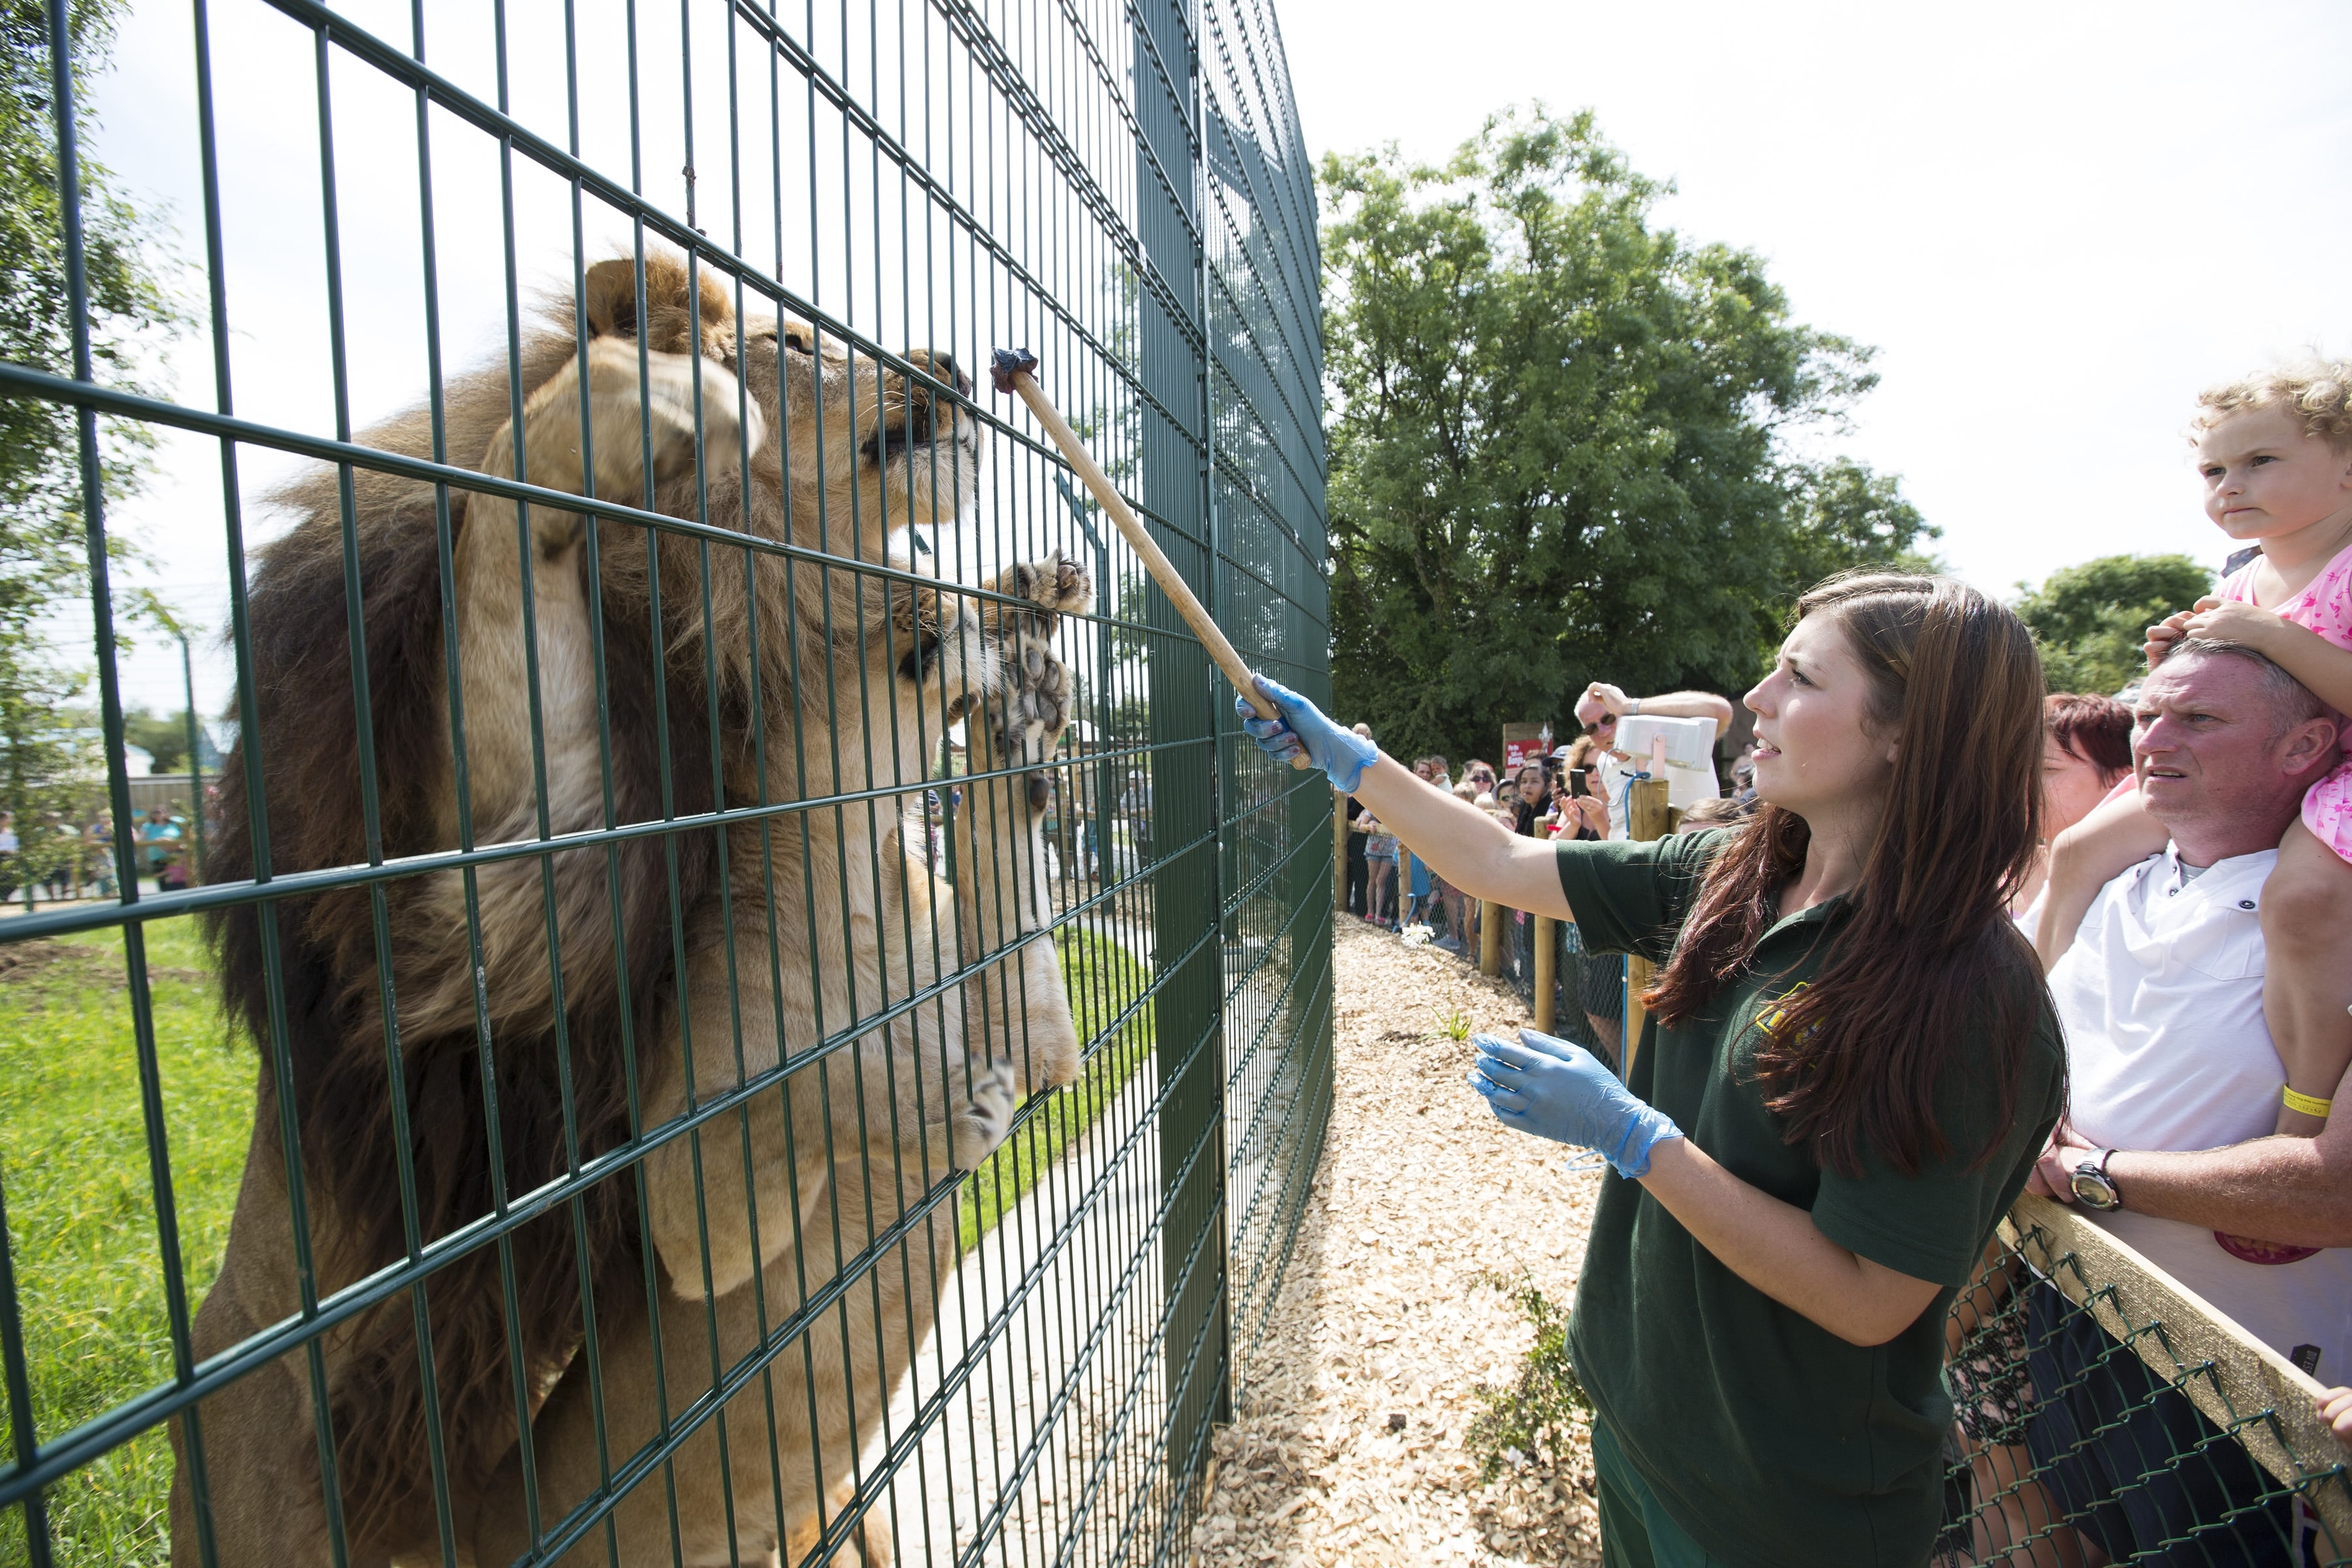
{"x": 1490, "y": 937}
{"x": 1647, "y": 817}
{"x": 1338, "y": 853}
{"x": 1546, "y": 937}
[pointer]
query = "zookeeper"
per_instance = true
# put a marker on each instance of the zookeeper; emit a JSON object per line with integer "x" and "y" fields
{"x": 1849, "y": 1065}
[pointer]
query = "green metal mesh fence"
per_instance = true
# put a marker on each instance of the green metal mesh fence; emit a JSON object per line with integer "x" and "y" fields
{"x": 756, "y": 1020}
{"x": 2107, "y": 1415}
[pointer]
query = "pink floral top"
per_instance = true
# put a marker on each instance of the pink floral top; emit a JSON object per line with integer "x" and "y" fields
{"x": 2324, "y": 607}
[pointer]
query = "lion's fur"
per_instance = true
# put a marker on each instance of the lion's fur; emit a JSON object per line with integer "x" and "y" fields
{"x": 763, "y": 678}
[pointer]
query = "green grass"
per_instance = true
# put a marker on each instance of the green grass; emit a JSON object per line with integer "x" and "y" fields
{"x": 1104, "y": 979}
{"x": 81, "y": 1206}
{"x": 81, "y": 1200}
{"x": 1538, "y": 1416}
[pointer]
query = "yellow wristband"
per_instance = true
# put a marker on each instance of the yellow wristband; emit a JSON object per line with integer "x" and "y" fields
{"x": 2310, "y": 1105}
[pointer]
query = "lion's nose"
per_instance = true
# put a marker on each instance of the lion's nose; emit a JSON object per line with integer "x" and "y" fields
{"x": 943, "y": 365}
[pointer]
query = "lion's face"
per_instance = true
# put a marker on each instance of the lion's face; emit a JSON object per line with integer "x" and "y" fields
{"x": 867, "y": 441}
{"x": 867, "y": 448}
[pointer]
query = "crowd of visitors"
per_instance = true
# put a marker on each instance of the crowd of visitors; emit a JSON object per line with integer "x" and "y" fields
{"x": 60, "y": 856}
{"x": 2191, "y": 898}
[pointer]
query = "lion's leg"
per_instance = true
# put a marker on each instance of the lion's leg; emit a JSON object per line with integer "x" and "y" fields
{"x": 261, "y": 1456}
{"x": 717, "y": 1493}
{"x": 901, "y": 1096}
{"x": 527, "y": 658}
{"x": 1004, "y": 901}
{"x": 779, "y": 1459}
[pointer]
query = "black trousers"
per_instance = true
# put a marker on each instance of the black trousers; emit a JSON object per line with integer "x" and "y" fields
{"x": 2134, "y": 1461}
{"x": 1359, "y": 873}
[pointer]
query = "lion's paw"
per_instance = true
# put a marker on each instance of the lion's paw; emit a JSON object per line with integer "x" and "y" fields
{"x": 983, "y": 1120}
{"x": 664, "y": 398}
{"x": 1057, "y": 585}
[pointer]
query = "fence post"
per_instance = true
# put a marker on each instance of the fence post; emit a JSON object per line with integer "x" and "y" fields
{"x": 1646, "y": 817}
{"x": 1490, "y": 937}
{"x": 1547, "y": 940}
{"x": 1171, "y": 361}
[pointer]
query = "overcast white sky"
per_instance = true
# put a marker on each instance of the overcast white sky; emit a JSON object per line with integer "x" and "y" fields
{"x": 2055, "y": 223}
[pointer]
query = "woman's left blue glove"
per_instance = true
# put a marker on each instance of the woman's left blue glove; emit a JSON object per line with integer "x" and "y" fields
{"x": 1302, "y": 730}
{"x": 1558, "y": 1090}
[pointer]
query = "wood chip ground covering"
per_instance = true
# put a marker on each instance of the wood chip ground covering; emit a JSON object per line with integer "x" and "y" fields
{"x": 1395, "y": 1303}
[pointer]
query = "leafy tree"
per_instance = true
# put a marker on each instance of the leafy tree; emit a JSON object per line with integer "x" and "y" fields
{"x": 1558, "y": 449}
{"x": 2090, "y": 619}
{"x": 44, "y": 559}
{"x": 162, "y": 737}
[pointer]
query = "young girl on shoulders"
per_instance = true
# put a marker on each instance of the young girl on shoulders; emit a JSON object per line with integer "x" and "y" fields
{"x": 2276, "y": 451}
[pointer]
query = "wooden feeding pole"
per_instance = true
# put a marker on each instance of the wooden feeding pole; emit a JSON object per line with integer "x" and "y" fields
{"x": 1016, "y": 370}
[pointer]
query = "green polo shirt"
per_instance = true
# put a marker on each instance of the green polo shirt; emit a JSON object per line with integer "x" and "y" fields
{"x": 1770, "y": 1439}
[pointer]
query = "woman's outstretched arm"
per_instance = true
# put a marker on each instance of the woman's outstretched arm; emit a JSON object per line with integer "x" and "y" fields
{"x": 1462, "y": 844}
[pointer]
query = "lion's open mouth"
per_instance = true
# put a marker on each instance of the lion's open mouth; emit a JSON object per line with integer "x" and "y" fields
{"x": 909, "y": 433}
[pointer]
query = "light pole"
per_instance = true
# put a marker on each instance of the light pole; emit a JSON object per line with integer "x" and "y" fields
{"x": 163, "y": 615}
{"x": 196, "y": 757}
{"x": 1102, "y": 683}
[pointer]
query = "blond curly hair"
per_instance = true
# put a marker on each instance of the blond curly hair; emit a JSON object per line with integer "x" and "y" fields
{"x": 2316, "y": 391}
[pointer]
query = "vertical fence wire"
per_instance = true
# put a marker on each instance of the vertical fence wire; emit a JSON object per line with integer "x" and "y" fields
{"x": 759, "y": 1020}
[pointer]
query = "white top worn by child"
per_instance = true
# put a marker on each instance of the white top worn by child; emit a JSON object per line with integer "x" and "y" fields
{"x": 2276, "y": 451}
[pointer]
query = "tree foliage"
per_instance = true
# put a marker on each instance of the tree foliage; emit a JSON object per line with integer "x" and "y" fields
{"x": 2091, "y": 619}
{"x": 44, "y": 559}
{"x": 1558, "y": 443}
{"x": 163, "y": 736}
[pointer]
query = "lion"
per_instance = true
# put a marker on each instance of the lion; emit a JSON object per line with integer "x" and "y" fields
{"x": 764, "y": 1043}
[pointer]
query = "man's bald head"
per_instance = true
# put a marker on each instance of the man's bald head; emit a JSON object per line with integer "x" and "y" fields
{"x": 2224, "y": 742}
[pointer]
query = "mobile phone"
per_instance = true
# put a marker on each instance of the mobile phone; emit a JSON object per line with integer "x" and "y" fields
{"x": 1576, "y": 783}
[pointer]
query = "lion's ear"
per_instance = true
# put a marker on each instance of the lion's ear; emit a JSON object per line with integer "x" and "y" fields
{"x": 610, "y": 295}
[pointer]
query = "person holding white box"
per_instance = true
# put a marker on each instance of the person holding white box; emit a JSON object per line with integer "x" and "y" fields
{"x": 1628, "y": 729}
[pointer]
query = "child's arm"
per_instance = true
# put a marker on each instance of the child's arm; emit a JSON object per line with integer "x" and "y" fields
{"x": 2106, "y": 844}
{"x": 2164, "y": 633}
{"x": 2311, "y": 658}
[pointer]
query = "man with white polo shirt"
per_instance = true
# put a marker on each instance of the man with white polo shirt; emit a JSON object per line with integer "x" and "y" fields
{"x": 2173, "y": 1092}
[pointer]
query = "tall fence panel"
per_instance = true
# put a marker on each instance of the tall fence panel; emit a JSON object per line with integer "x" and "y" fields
{"x": 744, "y": 992}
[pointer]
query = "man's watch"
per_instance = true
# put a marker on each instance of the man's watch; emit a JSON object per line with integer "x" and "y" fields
{"x": 2094, "y": 1188}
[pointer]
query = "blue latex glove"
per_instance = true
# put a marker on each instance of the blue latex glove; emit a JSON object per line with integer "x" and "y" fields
{"x": 1342, "y": 754}
{"x": 1560, "y": 1091}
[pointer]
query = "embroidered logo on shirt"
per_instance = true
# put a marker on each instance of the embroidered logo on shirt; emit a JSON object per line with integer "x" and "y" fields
{"x": 2253, "y": 1249}
{"x": 1776, "y": 1013}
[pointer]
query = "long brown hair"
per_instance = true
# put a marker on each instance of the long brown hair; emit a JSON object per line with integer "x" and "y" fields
{"x": 1855, "y": 1059}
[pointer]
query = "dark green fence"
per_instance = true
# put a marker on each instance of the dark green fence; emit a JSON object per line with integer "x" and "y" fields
{"x": 732, "y": 1012}
{"x": 2107, "y": 1415}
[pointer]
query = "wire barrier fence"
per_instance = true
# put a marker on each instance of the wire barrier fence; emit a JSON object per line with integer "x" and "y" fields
{"x": 2100, "y": 1403}
{"x": 769, "y": 1008}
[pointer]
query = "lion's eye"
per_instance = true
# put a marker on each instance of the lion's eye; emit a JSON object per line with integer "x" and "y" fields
{"x": 799, "y": 344}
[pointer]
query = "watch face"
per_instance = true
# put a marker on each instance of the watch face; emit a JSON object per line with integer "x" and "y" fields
{"x": 2093, "y": 1187}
